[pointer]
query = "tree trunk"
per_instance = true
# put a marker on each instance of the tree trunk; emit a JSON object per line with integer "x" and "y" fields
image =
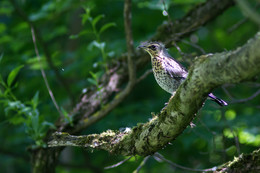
{"x": 45, "y": 159}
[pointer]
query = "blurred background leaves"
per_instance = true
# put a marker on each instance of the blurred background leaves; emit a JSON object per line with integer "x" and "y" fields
{"x": 83, "y": 37}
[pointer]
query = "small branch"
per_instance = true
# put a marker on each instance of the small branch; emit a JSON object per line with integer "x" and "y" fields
{"x": 146, "y": 73}
{"x": 236, "y": 25}
{"x": 129, "y": 41}
{"x": 141, "y": 164}
{"x": 119, "y": 163}
{"x": 182, "y": 167}
{"x": 44, "y": 75}
{"x": 212, "y": 8}
{"x": 246, "y": 99}
{"x": 195, "y": 46}
{"x": 248, "y": 11}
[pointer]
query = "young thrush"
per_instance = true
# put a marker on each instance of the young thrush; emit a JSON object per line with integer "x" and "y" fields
{"x": 168, "y": 73}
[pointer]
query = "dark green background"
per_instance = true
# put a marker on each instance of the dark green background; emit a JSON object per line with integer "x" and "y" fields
{"x": 206, "y": 145}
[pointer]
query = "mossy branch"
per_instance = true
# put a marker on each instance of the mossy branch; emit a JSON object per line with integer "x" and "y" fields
{"x": 207, "y": 73}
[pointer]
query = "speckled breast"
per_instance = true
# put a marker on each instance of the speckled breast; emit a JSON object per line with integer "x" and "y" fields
{"x": 164, "y": 80}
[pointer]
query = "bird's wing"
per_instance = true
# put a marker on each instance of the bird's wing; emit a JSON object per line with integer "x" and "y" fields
{"x": 175, "y": 70}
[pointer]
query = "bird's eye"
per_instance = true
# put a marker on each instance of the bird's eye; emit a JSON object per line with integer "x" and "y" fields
{"x": 153, "y": 47}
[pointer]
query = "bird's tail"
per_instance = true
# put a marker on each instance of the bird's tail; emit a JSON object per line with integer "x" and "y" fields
{"x": 218, "y": 100}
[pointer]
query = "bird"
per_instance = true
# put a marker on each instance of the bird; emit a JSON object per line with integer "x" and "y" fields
{"x": 168, "y": 73}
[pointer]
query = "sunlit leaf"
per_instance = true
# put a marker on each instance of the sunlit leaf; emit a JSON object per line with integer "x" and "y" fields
{"x": 231, "y": 150}
{"x": 13, "y": 74}
{"x": 2, "y": 28}
{"x": 230, "y": 114}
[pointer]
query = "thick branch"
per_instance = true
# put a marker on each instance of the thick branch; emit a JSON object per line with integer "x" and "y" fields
{"x": 243, "y": 163}
{"x": 207, "y": 73}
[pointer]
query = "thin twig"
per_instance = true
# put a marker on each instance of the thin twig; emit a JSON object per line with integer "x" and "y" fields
{"x": 227, "y": 92}
{"x": 240, "y": 22}
{"x": 44, "y": 75}
{"x": 236, "y": 25}
{"x": 246, "y": 99}
{"x": 146, "y": 73}
{"x": 195, "y": 46}
{"x": 182, "y": 167}
{"x": 248, "y": 11}
{"x": 141, "y": 164}
{"x": 118, "y": 164}
{"x": 44, "y": 48}
{"x": 129, "y": 41}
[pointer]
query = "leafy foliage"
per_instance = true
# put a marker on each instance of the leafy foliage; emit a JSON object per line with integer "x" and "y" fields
{"x": 18, "y": 112}
{"x": 83, "y": 37}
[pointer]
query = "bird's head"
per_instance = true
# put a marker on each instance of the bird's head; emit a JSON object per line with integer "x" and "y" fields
{"x": 153, "y": 48}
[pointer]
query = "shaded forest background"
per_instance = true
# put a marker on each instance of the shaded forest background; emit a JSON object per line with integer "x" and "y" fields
{"x": 79, "y": 42}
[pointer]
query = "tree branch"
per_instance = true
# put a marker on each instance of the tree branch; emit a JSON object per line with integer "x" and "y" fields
{"x": 243, "y": 163}
{"x": 207, "y": 73}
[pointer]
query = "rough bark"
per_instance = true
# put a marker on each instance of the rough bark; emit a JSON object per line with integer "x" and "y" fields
{"x": 243, "y": 163}
{"x": 45, "y": 160}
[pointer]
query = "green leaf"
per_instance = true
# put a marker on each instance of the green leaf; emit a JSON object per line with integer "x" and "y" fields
{"x": 93, "y": 74}
{"x": 92, "y": 81}
{"x": 35, "y": 123}
{"x": 106, "y": 26}
{"x": 35, "y": 100}
{"x": 231, "y": 150}
{"x": 86, "y": 16}
{"x": 96, "y": 19}
{"x": 99, "y": 74}
{"x": 75, "y": 36}
{"x": 13, "y": 74}
{"x": 16, "y": 120}
{"x": 49, "y": 124}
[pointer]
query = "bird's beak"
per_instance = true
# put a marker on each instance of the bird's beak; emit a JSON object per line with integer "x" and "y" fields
{"x": 142, "y": 47}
